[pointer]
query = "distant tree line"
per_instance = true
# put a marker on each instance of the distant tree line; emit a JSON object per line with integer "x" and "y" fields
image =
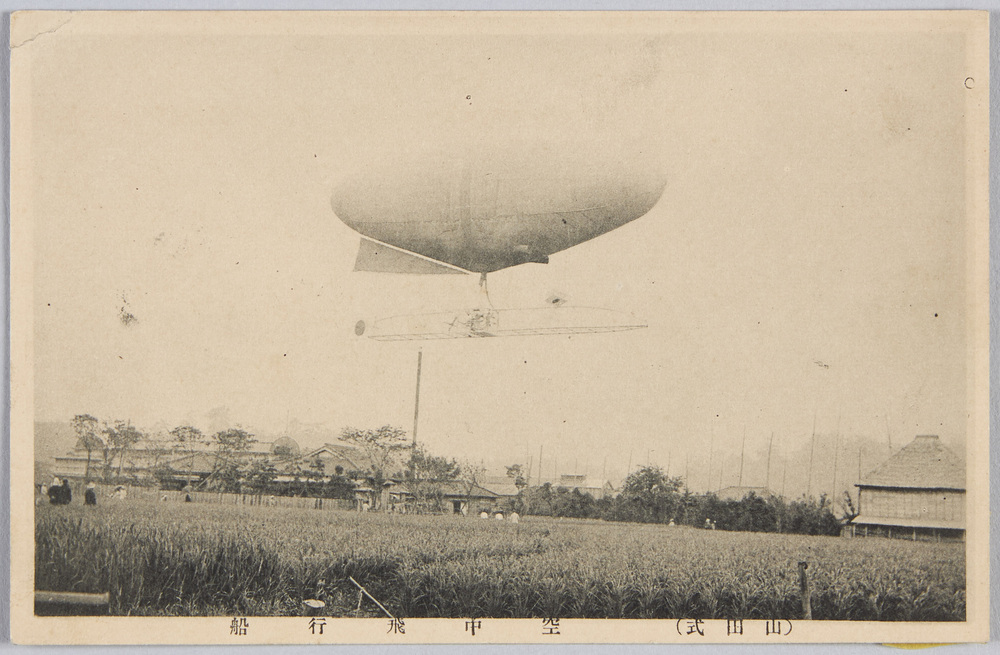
{"x": 650, "y": 496}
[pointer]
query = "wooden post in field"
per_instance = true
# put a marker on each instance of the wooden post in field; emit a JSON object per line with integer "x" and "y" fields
{"x": 65, "y": 603}
{"x": 807, "y": 612}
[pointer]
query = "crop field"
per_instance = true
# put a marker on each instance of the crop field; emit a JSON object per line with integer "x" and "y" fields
{"x": 209, "y": 560}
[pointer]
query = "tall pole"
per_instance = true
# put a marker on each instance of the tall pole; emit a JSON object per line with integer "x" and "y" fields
{"x": 769, "y": 444}
{"x": 859, "y": 462}
{"x": 836, "y": 457}
{"x": 784, "y": 474}
{"x": 711, "y": 453}
{"x": 742, "y": 451}
{"x": 416, "y": 401}
{"x": 541, "y": 447}
{"x": 812, "y": 448}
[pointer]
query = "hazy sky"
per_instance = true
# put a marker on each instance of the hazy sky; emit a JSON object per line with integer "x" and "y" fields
{"x": 806, "y": 260}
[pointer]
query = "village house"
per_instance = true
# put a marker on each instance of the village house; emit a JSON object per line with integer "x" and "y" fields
{"x": 455, "y": 496}
{"x": 918, "y": 493}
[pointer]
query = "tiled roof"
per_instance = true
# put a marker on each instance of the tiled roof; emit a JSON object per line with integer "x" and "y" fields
{"x": 195, "y": 463}
{"x": 922, "y": 464}
{"x": 501, "y": 487}
{"x": 456, "y": 488}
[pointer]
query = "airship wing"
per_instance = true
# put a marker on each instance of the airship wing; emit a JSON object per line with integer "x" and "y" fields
{"x": 382, "y": 258}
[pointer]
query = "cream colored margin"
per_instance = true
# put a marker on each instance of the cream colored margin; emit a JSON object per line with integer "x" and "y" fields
{"x": 28, "y": 629}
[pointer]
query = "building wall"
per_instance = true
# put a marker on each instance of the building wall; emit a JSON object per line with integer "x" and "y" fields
{"x": 928, "y": 504}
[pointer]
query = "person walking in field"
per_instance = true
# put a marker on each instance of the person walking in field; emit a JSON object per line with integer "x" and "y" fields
{"x": 54, "y": 491}
{"x": 65, "y": 493}
{"x": 90, "y": 495}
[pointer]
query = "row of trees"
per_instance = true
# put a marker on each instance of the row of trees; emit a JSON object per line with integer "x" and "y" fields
{"x": 650, "y": 496}
{"x": 109, "y": 445}
{"x": 387, "y": 452}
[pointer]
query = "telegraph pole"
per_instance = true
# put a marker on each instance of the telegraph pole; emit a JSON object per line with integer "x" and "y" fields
{"x": 784, "y": 475}
{"x": 769, "y": 444}
{"x": 812, "y": 448}
{"x": 711, "y": 453}
{"x": 742, "y": 451}
{"x": 416, "y": 402}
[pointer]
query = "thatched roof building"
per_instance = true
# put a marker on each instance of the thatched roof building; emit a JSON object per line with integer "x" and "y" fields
{"x": 917, "y": 493}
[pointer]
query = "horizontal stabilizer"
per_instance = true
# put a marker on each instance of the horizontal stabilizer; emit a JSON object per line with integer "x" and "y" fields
{"x": 377, "y": 257}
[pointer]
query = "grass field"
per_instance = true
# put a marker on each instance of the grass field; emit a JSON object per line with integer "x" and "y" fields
{"x": 201, "y": 559}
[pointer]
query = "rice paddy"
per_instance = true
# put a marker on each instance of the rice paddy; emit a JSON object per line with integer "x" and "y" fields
{"x": 199, "y": 559}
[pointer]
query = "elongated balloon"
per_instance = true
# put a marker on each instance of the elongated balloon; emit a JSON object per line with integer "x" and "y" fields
{"x": 489, "y": 212}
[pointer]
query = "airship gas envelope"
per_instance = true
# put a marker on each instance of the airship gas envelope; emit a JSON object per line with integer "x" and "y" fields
{"x": 489, "y": 212}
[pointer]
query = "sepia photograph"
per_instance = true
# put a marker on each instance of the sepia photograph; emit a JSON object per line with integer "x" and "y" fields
{"x": 351, "y": 327}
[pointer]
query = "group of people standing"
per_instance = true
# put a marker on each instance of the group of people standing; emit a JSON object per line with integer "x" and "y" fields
{"x": 61, "y": 493}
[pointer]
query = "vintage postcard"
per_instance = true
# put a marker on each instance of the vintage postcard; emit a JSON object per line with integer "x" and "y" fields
{"x": 499, "y": 327}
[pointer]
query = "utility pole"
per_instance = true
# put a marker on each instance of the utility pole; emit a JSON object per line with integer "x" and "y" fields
{"x": 769, "y": 444}
{"x": 812, "y": 448}
{"x": 416, "y": 402}
{"x": 784, "y": 474}
{"x": 742, "y": 451}
{"x": 836, "y": 461}
{"x": 711, "y": 453}
{"x": 541, "y": 447}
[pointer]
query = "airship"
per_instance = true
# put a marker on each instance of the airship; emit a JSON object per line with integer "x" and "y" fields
{"x": 488, "y": 212}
